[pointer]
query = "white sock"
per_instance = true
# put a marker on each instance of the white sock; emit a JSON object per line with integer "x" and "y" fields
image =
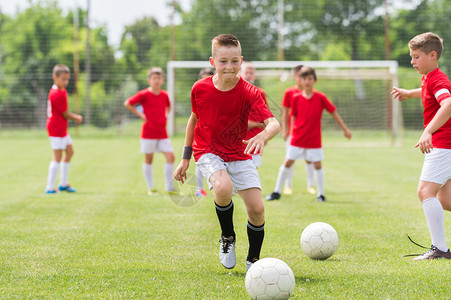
{"x": 53, "y": 173}
{"x": 289, "y": 177}
{"x": 148, "y": 175}
{"x": 168, "y": 170}
{"x": 199, "y": 179}
{"x": 64, "y": 174}
{"x": 310, "y": 170}
{"x": 433, "y": 211}
{"x": 320, "y": 181}
{"x": 281, "y": 178}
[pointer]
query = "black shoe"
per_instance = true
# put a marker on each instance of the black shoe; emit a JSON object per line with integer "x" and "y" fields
{"x": 321, "y": 198}
{"x": 273, "y": 196}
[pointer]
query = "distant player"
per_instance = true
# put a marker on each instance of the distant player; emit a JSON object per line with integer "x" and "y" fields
{"x": 287, "y": 127}
{"x": 216, "y": 134}
{"x": 154, "y": 137}
{"x": 434, "y": 188}
{"x": 57, "y": 122}
{"x": 254, "y": 127}
{"x": 200, "y": 192}
{"x": 307, "y": 110}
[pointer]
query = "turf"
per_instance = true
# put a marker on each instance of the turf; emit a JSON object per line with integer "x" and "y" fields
{"x": 112, "y": 240}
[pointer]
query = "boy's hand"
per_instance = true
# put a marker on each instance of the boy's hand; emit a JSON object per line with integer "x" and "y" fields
{"x": 78, "y": 119}
{"x": 401, "y": 94}
{"x": 347, "y": 133}
{"x": 425, "y": 142}
{"x": 143, "y": 117}
{"x": 180, "y": 171}
{"x": 254, "y": 145}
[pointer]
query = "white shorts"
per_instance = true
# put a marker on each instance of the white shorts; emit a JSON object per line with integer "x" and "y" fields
{"x": 60, "y": 143}
{"x": 149, "y": 146}
{"x": 257, "y": 160}
{"x": 437, "y": 166}
{"x": 242, "y": 173}
{"x": 309, "y": 154}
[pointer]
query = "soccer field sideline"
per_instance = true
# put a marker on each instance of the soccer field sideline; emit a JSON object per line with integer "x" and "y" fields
{"x": 111, "y": 240}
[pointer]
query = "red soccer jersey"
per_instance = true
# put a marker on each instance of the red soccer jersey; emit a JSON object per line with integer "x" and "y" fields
{"x": 288, "y": 96}
{"x": 56, "y": 106}
{"x": 155, "y": 108}
{"x": 307, "y": 124}
{"x": 435, "y": 87}
{"x": 253, "y": 116}
{"x": 222, "y": 118}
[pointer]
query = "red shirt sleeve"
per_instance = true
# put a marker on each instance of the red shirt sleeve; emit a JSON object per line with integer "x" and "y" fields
{"x": 287, "y": 99}
{"x": 260, "y": 109}
{"x": 193, "y": 102}
{"x": 441, "y": 89}
{"x": 328, "y": 105}
{"x": 135, "y": 99}
{"x": 294, "y": 111}
{"x": 59, "y": 102}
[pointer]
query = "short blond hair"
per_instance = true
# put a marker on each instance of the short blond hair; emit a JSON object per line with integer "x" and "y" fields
{"x": 60, "y": 69}
{"x": 427, "y": 42}
{"x": 224, "y": 40}
{"x": 154, "y": 71}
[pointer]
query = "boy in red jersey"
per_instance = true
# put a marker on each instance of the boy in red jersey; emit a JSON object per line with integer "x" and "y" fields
{"x": 57, "y": 122}
{"x": 286, "y": 133}
{"x": 254, "y": 127}
{"x": 154, "y": 138}
{"x": 307, "y": 109}
{"x": 434, "y": 188}
{"x": 216, "y": 133}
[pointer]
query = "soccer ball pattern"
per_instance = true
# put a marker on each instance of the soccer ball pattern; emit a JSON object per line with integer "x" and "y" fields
{"x": 270, "y": 278}
{"x": 319, "y": 240}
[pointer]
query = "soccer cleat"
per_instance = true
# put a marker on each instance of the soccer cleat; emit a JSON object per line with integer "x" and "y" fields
{"x": 250, "y": 263}
{"x": 433, "y": 253}
{"x": 152, "y": 192}
{"x": 67, "y": 188}
{"x": 311, "y": 190}
{"x": 273, "y": 196}
{"x": 321, "y": 198}
{"x": 227, "y": 255}
{"x": 51, "y": 191}
{"x": 201, "y": 193}
{"x": 287, "y": 190}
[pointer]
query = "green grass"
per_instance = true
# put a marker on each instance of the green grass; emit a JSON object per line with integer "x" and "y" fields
{"x": 111, "y": 240}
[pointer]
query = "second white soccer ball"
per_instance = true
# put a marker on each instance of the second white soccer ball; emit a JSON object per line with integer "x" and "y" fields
{"x": 319, "y": 240}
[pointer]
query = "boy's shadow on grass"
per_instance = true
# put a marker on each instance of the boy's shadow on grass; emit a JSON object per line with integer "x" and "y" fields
{"x": 299, "y": 279}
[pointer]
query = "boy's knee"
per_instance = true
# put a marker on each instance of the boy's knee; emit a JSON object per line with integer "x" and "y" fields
{"x": 288, "y": 163}
{"x": 170, "y": 158}
{"x": 317, "y": 165}
{"x": 223, "y": 190}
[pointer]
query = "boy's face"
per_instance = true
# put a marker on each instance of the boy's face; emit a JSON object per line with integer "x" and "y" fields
{"x": 423, "y": 62}
{"x": 227, "y": 62}
{"x": 62, "y": 80}
{"x": 298, "y": 79}
{"x": 155, "y": 80}
{"x": 248, "y": 74}
{"x": 308, "y": 82}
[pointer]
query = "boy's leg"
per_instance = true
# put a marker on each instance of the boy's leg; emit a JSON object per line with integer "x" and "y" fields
{"x": 168, "y": 170}
{"x": 252, "y": 198}
{"x": 289, "y": 181}
{"x": 53, "y": 170}
{"x": 281, "y": 176}
{"x": 444, "y": 195}
{"x": 65, "y": 165}
{"x": 148, "y": 170}
{"x": 319, "y": 172}
{"x": 310, "y": 172}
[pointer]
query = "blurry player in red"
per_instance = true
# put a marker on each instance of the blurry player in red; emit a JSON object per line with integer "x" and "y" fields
{"x": 307, "y": 110}
{"x": 434, "y": 188}
{"x": 154, "y": 138}
{"x": 254, "y": 127}
{"x": 200, "y": 192}
{"x": 216, "y": 133}
{"x": 57, "y": 122}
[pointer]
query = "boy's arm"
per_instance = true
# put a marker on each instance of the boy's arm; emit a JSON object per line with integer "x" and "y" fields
{"x": 71, "y": 116}
{"x": 134, "y": 111}
{"x": 285, "y": 122}
{"x": 253, "y": 124}
{"x": 342, "y": 124}
{"x": 180, "y": 172}
{"x": 440, "y": 118}
{"x": 255, "y": 145}
{"x": 403, "y": 94}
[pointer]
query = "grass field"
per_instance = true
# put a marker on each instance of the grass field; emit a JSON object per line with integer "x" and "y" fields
{"x": 112, "y": 240}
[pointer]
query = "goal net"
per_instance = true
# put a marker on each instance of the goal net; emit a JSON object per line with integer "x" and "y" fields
{"x": 359, "y": 89}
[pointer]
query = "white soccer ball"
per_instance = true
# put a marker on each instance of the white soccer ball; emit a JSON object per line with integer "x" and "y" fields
{"x": 319, "y": 240}
{"x": 270, "y": 278}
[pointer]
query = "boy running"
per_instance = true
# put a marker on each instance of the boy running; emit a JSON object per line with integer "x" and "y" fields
{"x": 57, "y": 123}
{"x": 254, "y": 127}
{"x": 154, "y": 138}
{"x": 216, "y": 134}
{"x": 307, "y": 109}
{"x": 434, "y": 188}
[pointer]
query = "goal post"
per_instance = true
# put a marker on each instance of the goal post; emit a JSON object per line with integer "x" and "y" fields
{"x": 360, "y": 89}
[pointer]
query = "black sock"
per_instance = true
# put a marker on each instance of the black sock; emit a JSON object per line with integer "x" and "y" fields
{"x": 225, "y": 217}
{"x": 255, "y": 235}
